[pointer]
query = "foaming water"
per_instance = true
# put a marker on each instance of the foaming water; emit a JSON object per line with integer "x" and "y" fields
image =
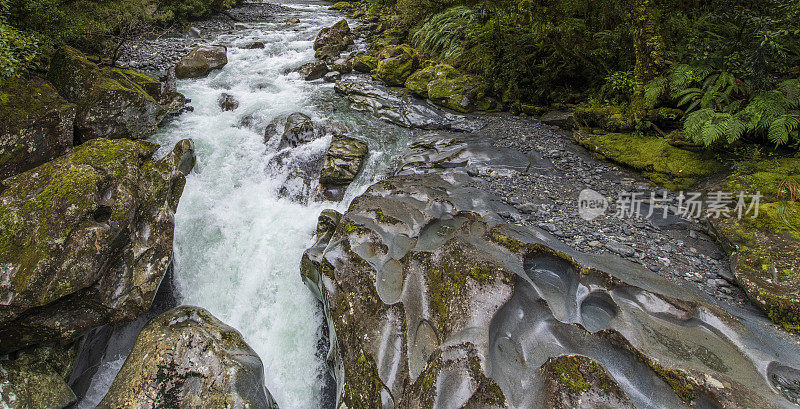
{"x": 238, "y": 242}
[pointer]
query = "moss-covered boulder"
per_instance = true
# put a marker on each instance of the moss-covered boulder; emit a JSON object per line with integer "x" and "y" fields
{"x": 662, "y": 163}
{"x": 448, "y": 87}
{"x": 578, "y": 382}
{"x": 331, "y": 41}
{"x": 396, "y": 64}
{"x": 37, "y": 378}
{"x": 610, "y": 118}
{"x": 187, "y": 358}
{"x": 85, "y": 239}
{"x": 765, "y": 250}
{"x": 37, "y": 124}
{"x": 298, "y": 129}
{"x": 201, "y": 61}
{"x": 111, "y": 103}
{"x": 365, "y": 63}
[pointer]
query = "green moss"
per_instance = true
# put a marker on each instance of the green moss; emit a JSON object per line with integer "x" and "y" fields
{"x": 663, "y": 164}
{"x": 568, "y": 373}
{"x": 447, "y": 278}
{"x": 384, "y": 218}
{"x": 396, "y": 64}
{"x": 677, "y": 380}
{"x": 767, "y": 247}
{"x": 505, "y": 241}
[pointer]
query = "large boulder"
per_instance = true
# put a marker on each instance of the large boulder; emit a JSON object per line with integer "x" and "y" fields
{"x": 365, "y": 63}
{"x": 448, "y": 87}
{"x": 401, "y": 108}
{"x": 187, "y": 358}
{"x": 433, "y": 300}
{"x": 86, "y": 239}
{"x": 111, "y": 102}
{"x": 396, "y": 64}
{"x": 298, "y": 129}
{"x": 37, "y": 378}
{"x": 313, "y": 70}
{"x": 201, "y": 61}
{"x": 37, "y": 124}
{"x": 341, "y": 165}
{"x": 331, "y": 41}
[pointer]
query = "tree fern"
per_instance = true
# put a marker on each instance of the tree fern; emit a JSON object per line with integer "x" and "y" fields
{"x": 444, "y": 35}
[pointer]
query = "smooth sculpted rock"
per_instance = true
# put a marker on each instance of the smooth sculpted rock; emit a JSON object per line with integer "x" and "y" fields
{"x": 434, "y": 300}
{"x": 201, "y": 61}
{"x": 396, "y": 64}
{"x": 111, "y": 103}
{"x": 86, "y": 239}
{"x": 331, "y": 41}
{"x": 186, "y": 358}
{"x": 401, "y": 108}
{"x": 37, "y": 124}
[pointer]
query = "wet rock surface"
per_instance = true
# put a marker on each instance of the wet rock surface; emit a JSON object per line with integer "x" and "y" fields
{"x": 341, "y": 165}
{"x": 187, "y": 358}
{"x": 471, "y": 308}
{"x": 37, "y": 125}
{"x": 111, "y": 102}
{"x": 86, "y": 239}
{"x": 331, "y": 41}
{"x": 201, "y": 61}
{"x": 401, "y": 109}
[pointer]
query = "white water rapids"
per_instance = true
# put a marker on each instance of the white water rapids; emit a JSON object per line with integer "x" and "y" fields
{"x": 238, "y": 243}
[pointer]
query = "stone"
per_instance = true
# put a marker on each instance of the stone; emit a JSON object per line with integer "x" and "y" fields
{"x": 562, "y": 119}
{"x": 193, "y": 32}
{"x": 401, "y": 109}
{"x": 201, "y": 61}
{"x": 331, "y": 41}
{"x": 448, "y": 87}
{"x": 332, "y": 76}
{"x": 292, "y": 21}
{"x": 187, "y": 358}
{"x": 342, "y": 161}
{"x": 227, "y": 102}
{"x": 37, "y": 124}
{"x": 432, "y": 300}
{"x": 85, "y": 239}
{"x": 36, "y": 378}
{"x": 578, "y": 382}
{"x": 111, "y": 103}
{"x": 299, "y": 129}
{"x": 343, "y": 65}
{"x": 365, "y": 63}
{"x": 619, "y": 248}
{"x": 255, "y": 45}
{"x": 313, "y": 70}
{"x": 396, "y": 64}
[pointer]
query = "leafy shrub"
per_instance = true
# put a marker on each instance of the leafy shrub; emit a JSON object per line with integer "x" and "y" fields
{"x": 17, "y": 50}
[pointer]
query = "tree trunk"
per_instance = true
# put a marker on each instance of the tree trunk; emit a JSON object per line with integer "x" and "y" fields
{"x": 649, "y": 50}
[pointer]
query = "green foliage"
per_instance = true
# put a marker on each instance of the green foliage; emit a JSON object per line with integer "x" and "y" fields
{"x": 446, "y": 35}
{"x": 719, "y": 108}
{"x": 17, "y": 49}
{"x": 619, "y": 86}
{"x": 30, "y": 30}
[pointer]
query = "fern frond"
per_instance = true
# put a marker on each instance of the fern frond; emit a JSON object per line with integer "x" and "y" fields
{"x": 655, "y": 90}
{"x": 782, "y": 127}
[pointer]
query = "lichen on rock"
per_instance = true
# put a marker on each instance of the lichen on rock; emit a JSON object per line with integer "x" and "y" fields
{"x": 187, "y": 358}
{"x": 85, "y": 239}
{"x": 37, "y": 124}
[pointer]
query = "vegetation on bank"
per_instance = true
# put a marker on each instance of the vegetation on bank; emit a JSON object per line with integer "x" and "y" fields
{"x": 31, "y": 30}
{"x": 730, "y": 66}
